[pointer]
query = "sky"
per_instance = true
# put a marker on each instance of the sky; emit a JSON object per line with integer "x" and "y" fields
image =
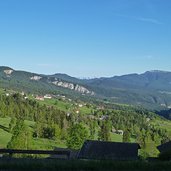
{"x": 86, "y": 38}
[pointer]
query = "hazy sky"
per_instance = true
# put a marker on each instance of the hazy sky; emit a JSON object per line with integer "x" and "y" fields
{"x": 85, "y": 38}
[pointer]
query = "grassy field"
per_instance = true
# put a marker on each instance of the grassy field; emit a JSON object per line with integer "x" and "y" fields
{"x": 5, "y": 136}
{"x": 5, "y": 122}
{"x": 81, "y": 165}
{"x": 164, "y": 124}
{"x": 116, "y": 137}
{"x": 66, "y": 106}
{"x": 41, "y": 143}
{"x": 85, "y": 110}
{"x": 37, "y": 143}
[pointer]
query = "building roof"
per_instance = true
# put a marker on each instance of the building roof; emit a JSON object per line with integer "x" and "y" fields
{"x": 108, "y": 150}
{"x": 164, "y": 147}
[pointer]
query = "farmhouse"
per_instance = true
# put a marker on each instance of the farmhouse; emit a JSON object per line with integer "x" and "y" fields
{"x": 102, "y": 150}
{"x": 47, "y": 96}
{"x": 41, "y": 98}
{"x": 120, "y": 132}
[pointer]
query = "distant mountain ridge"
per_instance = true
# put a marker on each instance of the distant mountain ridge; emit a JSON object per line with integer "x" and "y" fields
{"x": 150, "y": 89}
{"x": 38, "y": 83}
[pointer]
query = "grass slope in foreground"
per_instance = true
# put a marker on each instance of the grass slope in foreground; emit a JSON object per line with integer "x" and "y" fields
{"x": 37, "y": 143}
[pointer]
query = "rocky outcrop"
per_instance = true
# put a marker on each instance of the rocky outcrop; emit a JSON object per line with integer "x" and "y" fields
{"x": 64, "y": 84}
{"x": 8, "y": 72}
{"x": 36, "y": 78}
{"x": 82, "y": 89}
{"x": 72, "y": 86}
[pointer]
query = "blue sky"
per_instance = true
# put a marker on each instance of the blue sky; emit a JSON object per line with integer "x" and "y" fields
{"x": 85, "y": 38}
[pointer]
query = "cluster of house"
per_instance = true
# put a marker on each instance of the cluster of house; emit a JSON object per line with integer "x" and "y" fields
{"x": 48, "y": 96}
{"x": 41, "y": 98}
{"x": 102, "y": 150}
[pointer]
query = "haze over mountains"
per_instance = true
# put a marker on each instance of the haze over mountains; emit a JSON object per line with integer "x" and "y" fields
{"x": 151, "y": 89}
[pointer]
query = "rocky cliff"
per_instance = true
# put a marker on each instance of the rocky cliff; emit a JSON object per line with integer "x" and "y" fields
{"x": 72, "y": 86}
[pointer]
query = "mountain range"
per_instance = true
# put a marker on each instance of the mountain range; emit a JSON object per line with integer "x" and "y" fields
{"x": 151, "y": 89}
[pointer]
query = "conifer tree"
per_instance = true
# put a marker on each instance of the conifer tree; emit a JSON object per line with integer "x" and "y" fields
{"x": 104, "y": 132}
{"x": 77, "y": 134}
{"x": 126, "y": 136}
{"x": 21, "y": 138}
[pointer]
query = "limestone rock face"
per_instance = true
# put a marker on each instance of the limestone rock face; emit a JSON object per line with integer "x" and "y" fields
{"x": 8, "y": 72}
{"x": 36, "y": 78}
{"x": 82, "y": 89}
{"x": 72, "y": 86}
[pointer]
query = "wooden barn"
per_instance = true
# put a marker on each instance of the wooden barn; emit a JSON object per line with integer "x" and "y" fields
{"x": 102, "y": 150}
{"x": 164, "y": 147}
{"x": 65, "y": 153}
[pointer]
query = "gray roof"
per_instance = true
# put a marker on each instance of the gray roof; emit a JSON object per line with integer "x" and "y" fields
{"x": 108, "y": 150}
{"x": 164, "y": 147}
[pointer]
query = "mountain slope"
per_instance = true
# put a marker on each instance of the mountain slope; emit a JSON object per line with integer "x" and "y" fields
{"x": 37, "y": 83}
{"x": 150, "y": 80}
{"x": 151, "y": 89}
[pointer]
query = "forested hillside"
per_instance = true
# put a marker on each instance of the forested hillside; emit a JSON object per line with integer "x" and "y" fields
{"x": 29, "y": 124}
